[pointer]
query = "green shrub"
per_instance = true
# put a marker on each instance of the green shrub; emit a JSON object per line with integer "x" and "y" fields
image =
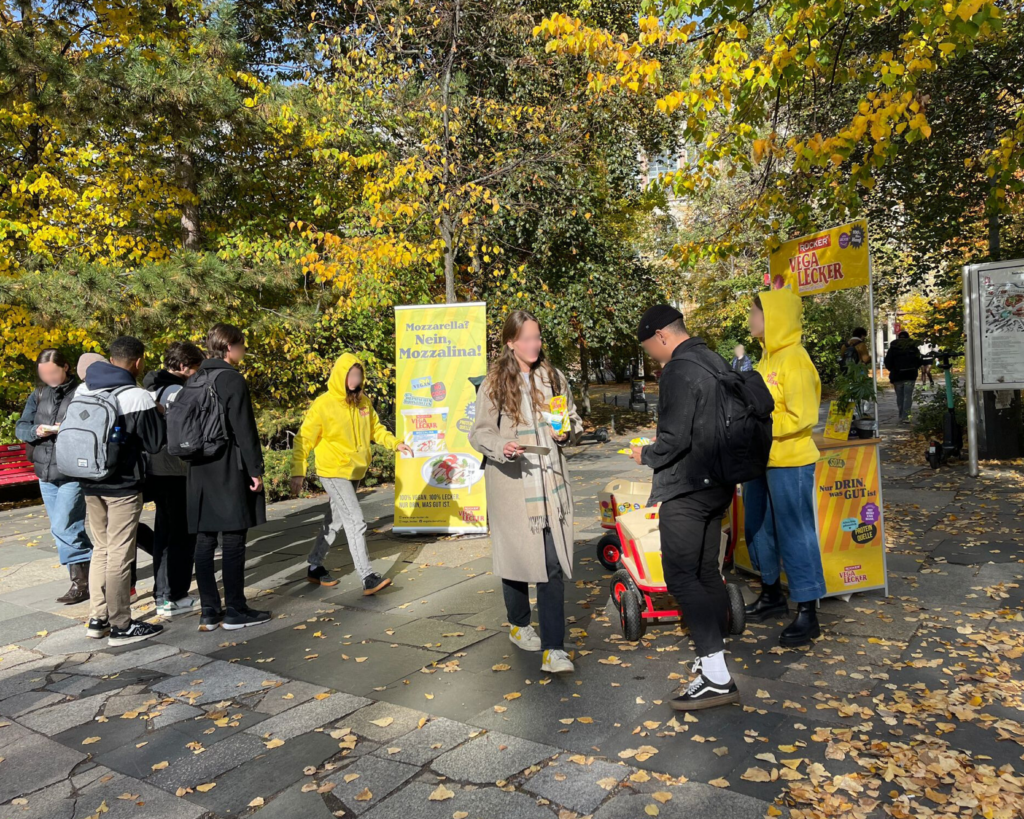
{"x": 277, "y": 472}
{"x": 7, "y": 422}
{"x": 930, "y": 408}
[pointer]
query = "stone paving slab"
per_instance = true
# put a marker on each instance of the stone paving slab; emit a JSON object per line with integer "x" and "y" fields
{"x": 32, "y": 761}
{"x": 423, "y": 745}
{"x": 309, "y": 715}
{"x": 293, "y": 803}
{"x": 414, "y": 801}
{"x": 576, "y": 786}
{"x": 218, "y": 681}
{"x": 688, "y": 801}
{"x": 196, "y": 769}
{"x": 380, "y": 776}
{"x": 63, "y": 717}
{"x": 491, "y": 758}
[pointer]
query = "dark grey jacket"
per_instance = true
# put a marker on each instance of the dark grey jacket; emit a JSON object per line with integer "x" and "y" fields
{"x": 687, "y": 403}
{"x": 46, "y": 405}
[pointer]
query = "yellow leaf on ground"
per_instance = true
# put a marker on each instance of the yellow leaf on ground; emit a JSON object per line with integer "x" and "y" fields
{"x": 352, "y": 777}
{"x": 441, "y": 793}
{"x": 460, "y": 814}
{"x": 661, "y": 796}
{"x": 640, "y": 776}
{"x": 383, "y": 722}
{"x": 128, "y": 797}
{"x": 651, "y": 810}
{"x": 365, "y": 796}
{"x": 321, "y": 696}
{"x": 719, "y": 783}
{"x": 756, "y": 775}
{"x": 209, "y": 786}
{"x": 608, "y": 782}
{"x": 159, "y": 766}
{"x": 256, "y": 803}
{"x": 501, "y": 709}
{"x": 90, "y": 740}
{"x": 274, "y": 743}
{"x": 501, "y": 667}
{"x": 585, "y": 720}
{"x": 513, "y": 696}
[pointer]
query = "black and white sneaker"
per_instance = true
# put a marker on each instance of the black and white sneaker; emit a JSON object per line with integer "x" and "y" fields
{"x": 97, "y": 628}
{"x": 244, "y": 618}
{"x": 133, "y": 633}
{"x": 210, "y": 620}
{"x": 702, "y": 693}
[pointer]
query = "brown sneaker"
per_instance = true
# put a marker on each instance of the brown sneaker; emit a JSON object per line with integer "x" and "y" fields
{"x": 374, "y": 583}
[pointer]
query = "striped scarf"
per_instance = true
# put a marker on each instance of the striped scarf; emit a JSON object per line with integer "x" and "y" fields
{"x": 547, "y": 495}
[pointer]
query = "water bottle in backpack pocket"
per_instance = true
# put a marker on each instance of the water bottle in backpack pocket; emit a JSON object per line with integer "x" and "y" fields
{"x": 196, "y": 428}
{"x": 91, "y": 436}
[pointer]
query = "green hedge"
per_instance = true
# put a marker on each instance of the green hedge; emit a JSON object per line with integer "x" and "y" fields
{"x": 277, "y": 472}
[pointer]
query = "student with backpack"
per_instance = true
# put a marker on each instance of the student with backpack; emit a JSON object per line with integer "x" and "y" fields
{"x": 338, "y": 427}
{"x": 698, "y": 457}
{"x": 109, "y": 425}
{"x": 855, "y": 349}
{"x": 211, "y": 425}
{"x": 171, "y": 545}
{"x": 903, "y": 360}
{"x": 62, "y": 496}
{"x": 781, "y": 507}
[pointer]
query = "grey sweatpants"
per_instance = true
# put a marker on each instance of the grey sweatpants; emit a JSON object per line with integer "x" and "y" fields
{"x": 344, "y": 514}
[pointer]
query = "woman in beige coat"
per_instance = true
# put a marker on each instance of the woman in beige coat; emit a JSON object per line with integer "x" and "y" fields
{"x": 529, "y": 500}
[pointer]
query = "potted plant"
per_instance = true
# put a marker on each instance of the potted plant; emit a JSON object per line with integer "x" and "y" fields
{"x": 855, "y": 386}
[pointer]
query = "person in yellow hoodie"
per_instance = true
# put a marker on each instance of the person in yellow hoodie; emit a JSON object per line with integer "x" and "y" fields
{"x": 339, "y": 426}
{"x": 780, "y": 507}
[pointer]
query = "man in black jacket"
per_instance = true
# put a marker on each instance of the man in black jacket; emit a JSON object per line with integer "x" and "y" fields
{"x": 692, "y": 504}
{"x": 903, "y": 360}
{"x": 115, "y": 504}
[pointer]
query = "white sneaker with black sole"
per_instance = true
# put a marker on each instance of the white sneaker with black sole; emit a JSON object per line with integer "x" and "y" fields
{"x": 133, "y": 633}
{"x": 703, "y": 693}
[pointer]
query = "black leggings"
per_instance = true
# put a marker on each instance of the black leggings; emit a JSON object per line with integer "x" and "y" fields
{"x": 550, "y": 600}
{"x": 232, "y": 570}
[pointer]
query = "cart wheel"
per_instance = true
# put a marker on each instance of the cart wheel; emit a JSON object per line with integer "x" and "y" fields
{"x": 633, "y": 625}
{"x": 622, "y": 582}
{"x": 609, "y": 551}
{"x": 737, "y": 613}
{"x": 934, "y": 461}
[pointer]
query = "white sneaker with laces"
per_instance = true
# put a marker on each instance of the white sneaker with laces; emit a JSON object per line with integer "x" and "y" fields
{"x": 557, "y": 661}
{"x": 524, "y": 637}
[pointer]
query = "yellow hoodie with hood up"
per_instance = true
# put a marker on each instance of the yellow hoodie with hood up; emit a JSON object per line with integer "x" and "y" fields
{"x": 339, "y": 432}
{"x": 791, "y": 379}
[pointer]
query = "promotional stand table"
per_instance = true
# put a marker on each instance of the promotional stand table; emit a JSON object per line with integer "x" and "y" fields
{"x": 850, "y": 520}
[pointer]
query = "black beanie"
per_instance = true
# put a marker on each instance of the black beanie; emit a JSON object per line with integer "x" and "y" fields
{"x": 656, "y": 318}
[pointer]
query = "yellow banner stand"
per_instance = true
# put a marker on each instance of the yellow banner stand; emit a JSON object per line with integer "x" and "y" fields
{"x": 824, "y": 262}
{"x": 438, "y": 348}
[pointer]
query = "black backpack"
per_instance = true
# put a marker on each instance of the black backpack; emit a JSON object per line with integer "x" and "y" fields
{"x": 743, "y": 425}
{"x": 196, "y": 428}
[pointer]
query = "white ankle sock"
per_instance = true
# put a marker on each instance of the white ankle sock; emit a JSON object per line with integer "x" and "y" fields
{"x": 713, "y": 668}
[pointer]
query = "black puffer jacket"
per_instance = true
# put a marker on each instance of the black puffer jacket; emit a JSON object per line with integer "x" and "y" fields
{"x": 46, "y": 405}
{"x": 681, "y": 456}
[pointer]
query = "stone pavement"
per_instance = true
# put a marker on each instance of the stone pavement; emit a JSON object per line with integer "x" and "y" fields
{"x": 414, "y": 702}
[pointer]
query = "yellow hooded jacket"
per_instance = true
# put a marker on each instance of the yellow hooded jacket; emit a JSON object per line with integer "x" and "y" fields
{"x": 791, "y": 379}
{"x": 339, "y": 432}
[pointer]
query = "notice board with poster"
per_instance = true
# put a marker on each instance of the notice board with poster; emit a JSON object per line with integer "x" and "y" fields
{"x": 850, "y": 519}
{"x": 996, "y": 299}
{"x": 438, "y": 348}
{"x": 833, "y": 259}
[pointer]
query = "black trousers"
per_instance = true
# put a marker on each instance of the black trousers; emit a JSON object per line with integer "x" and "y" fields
{"x": 550, "y": 600}
{"x": 691, "y": 534}
{"x": 232, "y": 570}
{"x": 173, "y": 548}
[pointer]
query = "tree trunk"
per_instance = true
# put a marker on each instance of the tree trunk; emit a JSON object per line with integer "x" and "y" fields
{"x": 584, "y": 377}
{"x": 448, "y": 223}
{"x": 448, "y": 237}
{"x": 190, "y": 209}
{"x": 33, "y": 151}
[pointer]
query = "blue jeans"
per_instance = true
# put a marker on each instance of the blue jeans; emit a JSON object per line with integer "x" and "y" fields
{"x": 780, "y": 518}
{"x": 65, "y": 506}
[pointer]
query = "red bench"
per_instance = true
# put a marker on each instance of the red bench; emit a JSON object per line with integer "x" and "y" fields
{"x": 15, "y": 468}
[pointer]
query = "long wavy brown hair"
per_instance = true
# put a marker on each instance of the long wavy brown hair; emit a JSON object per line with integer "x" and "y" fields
{"x": 504, "y": 381}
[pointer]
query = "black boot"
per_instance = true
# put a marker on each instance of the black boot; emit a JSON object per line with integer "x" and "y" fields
{"x": 79, "y": 591}
{"x": 804, "y": 628}
{"x": 771, "y": 602}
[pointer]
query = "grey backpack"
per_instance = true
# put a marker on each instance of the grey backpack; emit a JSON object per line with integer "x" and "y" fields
{"x": 87, "y": 442}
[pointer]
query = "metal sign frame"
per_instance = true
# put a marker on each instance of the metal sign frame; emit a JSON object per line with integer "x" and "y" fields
{"x": 974, "y": 326}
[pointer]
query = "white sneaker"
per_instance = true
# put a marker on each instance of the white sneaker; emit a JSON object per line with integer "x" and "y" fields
{"x": 557, "y": 661}
{"x": 169, "y": 608}
{"x": 524, "y": 637}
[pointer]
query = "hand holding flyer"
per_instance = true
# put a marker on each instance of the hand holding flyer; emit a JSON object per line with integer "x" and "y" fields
{"x": 635, "y": 442}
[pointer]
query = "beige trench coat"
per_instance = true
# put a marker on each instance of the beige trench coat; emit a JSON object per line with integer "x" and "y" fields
{"x": 518, "y": 553}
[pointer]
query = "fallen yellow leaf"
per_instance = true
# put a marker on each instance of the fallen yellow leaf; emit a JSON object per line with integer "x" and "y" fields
{"x": 383, "y": 722}
{"x": 365, "y": 795}
{"x": 90, "y": 740}
{"x": 274, "y": 743}
{"x": 209, "y": 786}
{"x": 651, "y": 810}
{"x": 159, "y": 766}
{"x": 719, "y": 783}
{"x": 256, "y": 803}
{"x": 441, "y": 793}
{"x": 661, "y": 796}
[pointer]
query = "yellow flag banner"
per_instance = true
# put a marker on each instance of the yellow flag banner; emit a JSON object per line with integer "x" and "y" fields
{"x": 834, "y": 259}
{"x": 438, "y": 348}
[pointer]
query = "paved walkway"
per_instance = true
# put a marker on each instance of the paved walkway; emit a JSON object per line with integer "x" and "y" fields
{"x": 414, "y": 702}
